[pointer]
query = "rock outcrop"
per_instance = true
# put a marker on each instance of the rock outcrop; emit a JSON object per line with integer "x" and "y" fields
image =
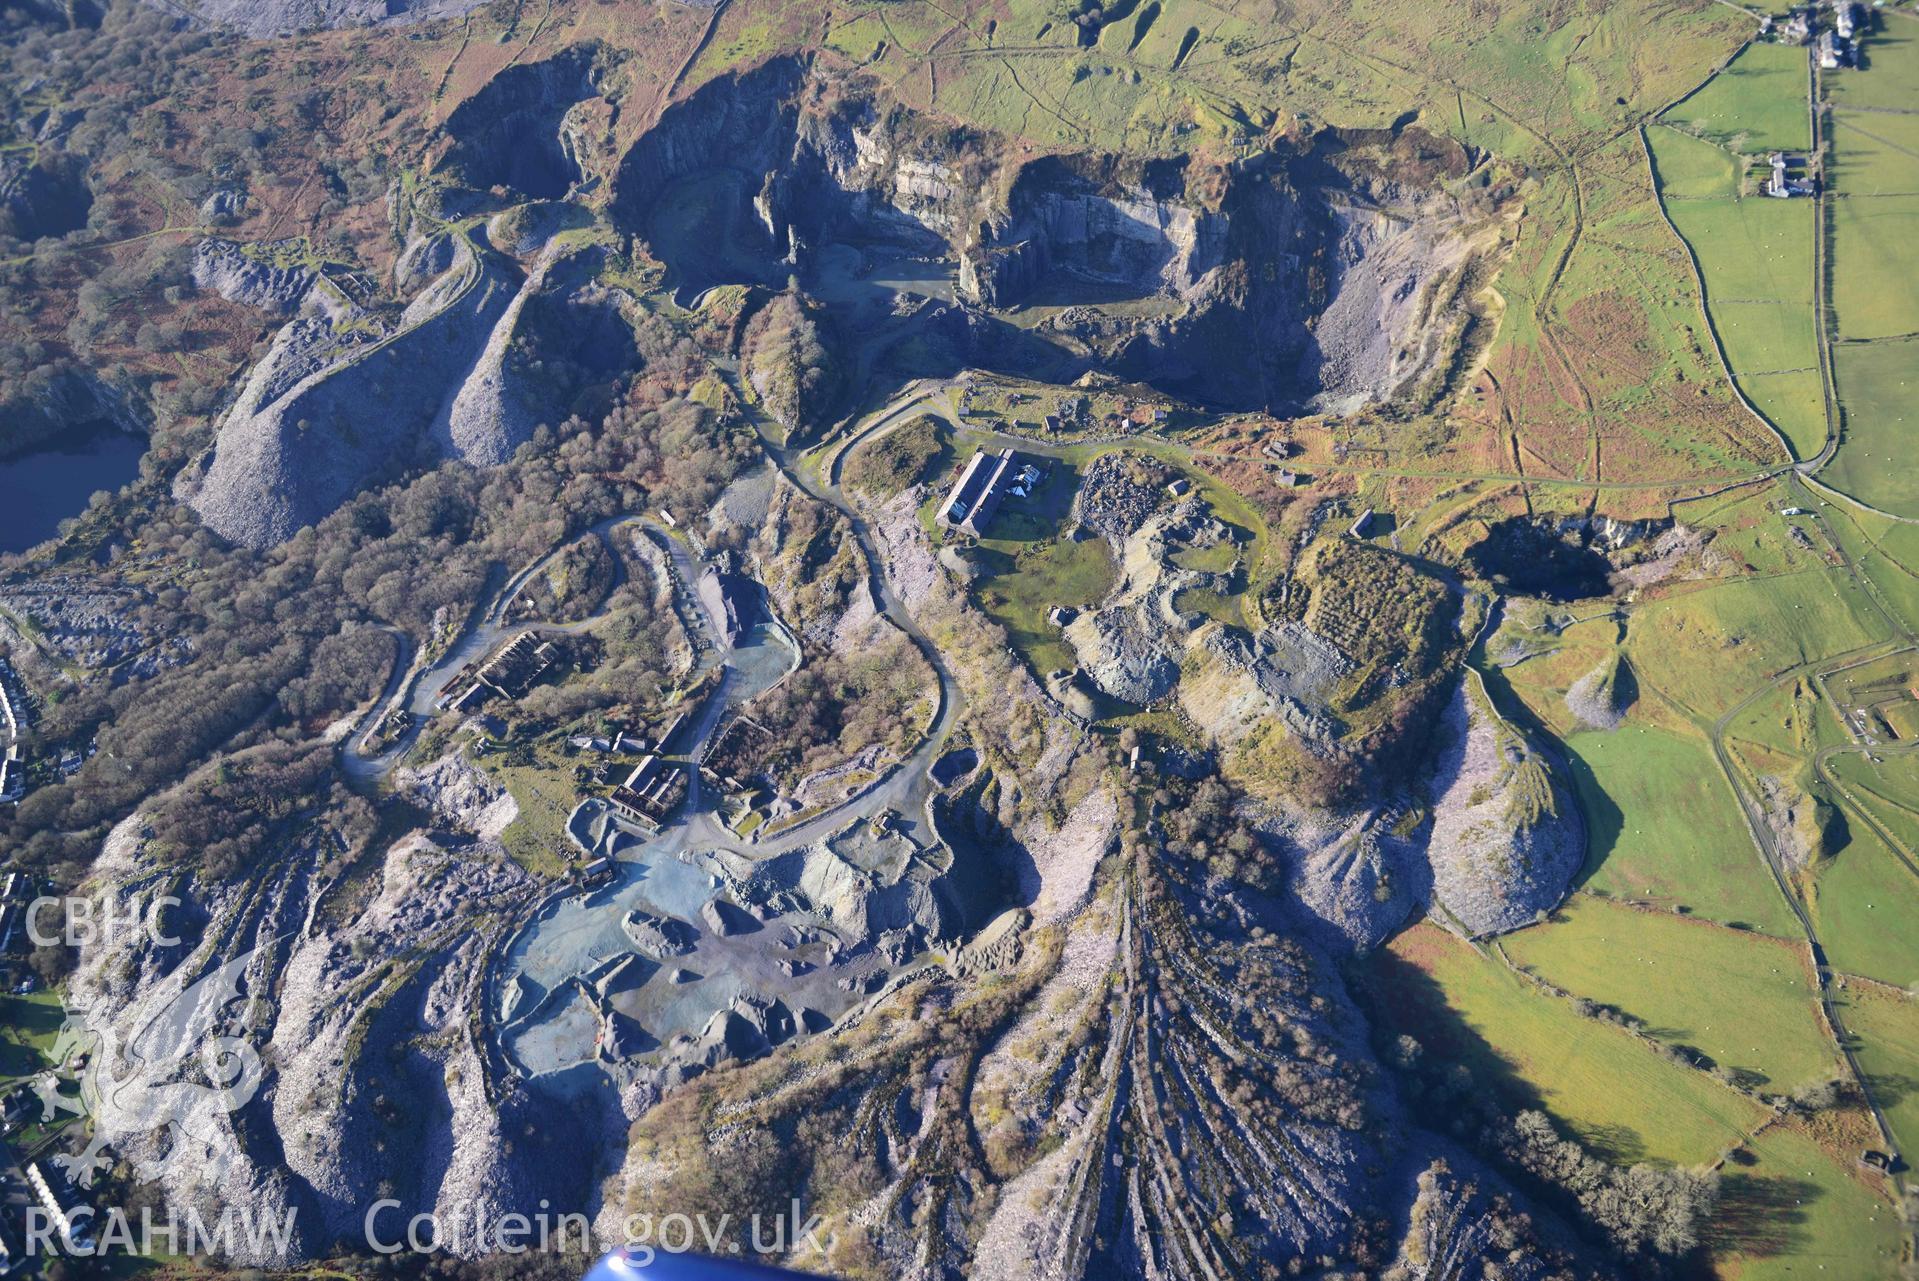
{"x": 1233, "y": 684}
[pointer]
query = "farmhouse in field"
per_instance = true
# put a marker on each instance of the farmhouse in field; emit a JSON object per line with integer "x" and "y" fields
{"x": 1782, "y": 184}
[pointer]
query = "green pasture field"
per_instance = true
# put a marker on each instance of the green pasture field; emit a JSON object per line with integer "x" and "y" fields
{"x": 1875, "y": 677}
{"x": 1020, "y": 593}
{"x": 1862, "y": 908}
{"x": 1710, "y": 648}
{"x": 1790, "y": 1209}
{"x": 1874, "y": 220}
{"x": 1745, "y": 1001}
{"x": 1540, "y": 682}
{"x": 1885, "y": 551}
{"x": 1661, "y": 824}
{"x": 1752, "y": 250}
{"x": 1762, "y": 337}
{"x": 1795, "y": 402}
{"x": 1877, "y": 383}
{"x": 1875, "y": 245}
{"x": 1751, "y": 530}
{"x": 1884, "y": 1024}
{"x": 1757, "y": 104}
{"x": 1896, "y": 540}
{"x": 1600, "y": 1082}
{"x": 1874, "y": 154}
{"x": 1755, "y": 257}
{"x": 1897, "y": 585}
{"x": 1692, "y": 168}
{"x": 1791, "y": 720}
{"x": 1889, "y": 790}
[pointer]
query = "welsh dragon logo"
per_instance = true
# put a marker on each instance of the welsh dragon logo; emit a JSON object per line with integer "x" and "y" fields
{"x": 185, "y": 1067}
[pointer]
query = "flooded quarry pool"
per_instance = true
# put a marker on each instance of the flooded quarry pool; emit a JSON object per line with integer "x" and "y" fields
{"x": 43, "y": 488}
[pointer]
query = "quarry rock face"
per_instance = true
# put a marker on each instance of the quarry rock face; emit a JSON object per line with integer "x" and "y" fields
{"x": 1238, "y": 309}
{"x": 514, "y": 132}
{"x": 743, "y": 121}
{"x": 812, "y": 175}
{"x": 1231, "y": 273}
{"x": 1382, "y": 330}
{"x": 1507, "y": 838}
{"x": 65, "y": 398}
{"x": 1321, "y": 298}
{"x": 1315, "y": 293}
{"x": 1126, "y": 234}
{"x": 227, "y": 202}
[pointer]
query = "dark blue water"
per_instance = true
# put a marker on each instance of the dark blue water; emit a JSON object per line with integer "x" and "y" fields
{"x": 41, "y": 489}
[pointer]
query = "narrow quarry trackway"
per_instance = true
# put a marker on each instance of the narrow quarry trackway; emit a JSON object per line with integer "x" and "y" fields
{"x": 419, "y": 687}
{"x": 907, "y": 788}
